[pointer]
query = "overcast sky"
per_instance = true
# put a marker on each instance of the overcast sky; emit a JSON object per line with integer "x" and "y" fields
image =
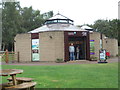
{"x": 81, "y": 11}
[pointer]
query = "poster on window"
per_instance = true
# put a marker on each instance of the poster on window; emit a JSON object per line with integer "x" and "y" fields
{"x": 35, "y": 49}
{"x": 92, "y": 47}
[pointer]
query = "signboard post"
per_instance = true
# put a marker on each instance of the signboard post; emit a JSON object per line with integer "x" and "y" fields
{"x": 102, "y": 56}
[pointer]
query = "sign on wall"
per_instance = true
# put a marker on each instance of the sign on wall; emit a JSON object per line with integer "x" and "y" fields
{"x": 35, "y": 49}
{"x": 92, "y": 47}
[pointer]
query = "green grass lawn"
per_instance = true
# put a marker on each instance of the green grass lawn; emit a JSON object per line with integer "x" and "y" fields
{"x": 71, "y": 76}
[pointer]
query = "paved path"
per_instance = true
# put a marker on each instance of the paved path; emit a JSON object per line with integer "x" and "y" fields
{"x": 111, "y": 60}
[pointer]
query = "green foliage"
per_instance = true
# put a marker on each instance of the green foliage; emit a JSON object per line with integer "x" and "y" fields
{"x": 119, "y": 32}
{"x": 93, "y": 58}
{"x": 59, "y": 60}
{"x": 31, "y": 19}
{"x": 70, "y": 76}
{"x": 19, "y": 20}
{"x": 11, "y": 21}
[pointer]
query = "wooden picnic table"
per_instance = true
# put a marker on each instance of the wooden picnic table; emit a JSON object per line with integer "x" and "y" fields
{"x": 12, "y": 73}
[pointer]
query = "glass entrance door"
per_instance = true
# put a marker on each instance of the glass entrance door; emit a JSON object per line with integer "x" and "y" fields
{"x": 80, "y": 47}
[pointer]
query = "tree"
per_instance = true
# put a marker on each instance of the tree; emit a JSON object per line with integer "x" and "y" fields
{"x": 113, "y": 28}
{"x": 119, "y": 32}
{"x": 33, "y": 19}
{"x": 19, "y": 20}
{"x": 47, "y": 15}
{"x": 10, "y": 22}
{"x": 30, "y": 18}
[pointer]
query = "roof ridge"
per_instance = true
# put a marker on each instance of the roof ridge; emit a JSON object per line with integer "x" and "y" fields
{"x": 62, "y": 15}
{"x": 58, "y": 14}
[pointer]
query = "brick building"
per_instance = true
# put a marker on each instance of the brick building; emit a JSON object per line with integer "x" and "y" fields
{"x": 52, "y": 40}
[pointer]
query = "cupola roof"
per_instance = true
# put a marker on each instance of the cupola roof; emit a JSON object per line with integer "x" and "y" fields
{"x": 58, "y": 18}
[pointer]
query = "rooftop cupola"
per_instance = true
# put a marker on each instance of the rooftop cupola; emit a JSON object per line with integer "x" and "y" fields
{"x": 58, "y": 18}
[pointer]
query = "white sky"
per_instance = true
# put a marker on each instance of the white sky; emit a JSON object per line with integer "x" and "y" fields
{"x": 81, "y": 11}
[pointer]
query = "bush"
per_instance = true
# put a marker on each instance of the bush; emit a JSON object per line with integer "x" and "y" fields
{"x": 59, "y": 60}
{"x": 93, "y": 58}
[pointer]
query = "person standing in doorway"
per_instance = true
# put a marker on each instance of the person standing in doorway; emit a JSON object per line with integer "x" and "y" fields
{"x": 78, "y": 52}
{"x": 72, "y": 50}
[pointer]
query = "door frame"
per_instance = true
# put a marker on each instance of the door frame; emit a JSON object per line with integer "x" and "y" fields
{"x": 68, "y": 34}
{"x": 34, "y": 36}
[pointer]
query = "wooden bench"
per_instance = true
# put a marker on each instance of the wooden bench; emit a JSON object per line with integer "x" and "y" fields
{"x": 22, "y": 86}
{"x": 21, "y": 79}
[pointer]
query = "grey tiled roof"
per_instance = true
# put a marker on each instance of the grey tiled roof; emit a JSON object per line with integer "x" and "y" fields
{"x": 57, "y": 27}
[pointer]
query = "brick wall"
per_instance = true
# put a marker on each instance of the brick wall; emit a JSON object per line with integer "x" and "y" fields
{"x": 111, "y": 45}
{"x": 51, "y": 46}
{"x": 23, "y": 46}
{"x": 96, "y": 37}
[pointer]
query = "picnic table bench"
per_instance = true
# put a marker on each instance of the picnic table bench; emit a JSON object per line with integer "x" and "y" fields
{"x": 16, "y": 83}
{"x": 25, "y": 85}
{"x": 21, "y": 79}
{"x": 12, "y": 73}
